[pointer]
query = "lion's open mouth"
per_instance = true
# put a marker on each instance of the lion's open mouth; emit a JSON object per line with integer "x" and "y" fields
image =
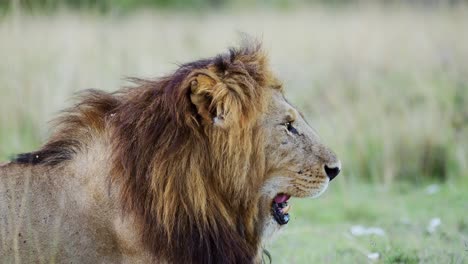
{"x": 280, "y": 208}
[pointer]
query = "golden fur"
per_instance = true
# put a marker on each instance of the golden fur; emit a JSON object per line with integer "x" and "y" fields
{"x": 182, "y": 169}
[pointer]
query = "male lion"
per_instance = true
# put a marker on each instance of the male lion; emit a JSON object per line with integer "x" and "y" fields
{"x": 195, "y": 167}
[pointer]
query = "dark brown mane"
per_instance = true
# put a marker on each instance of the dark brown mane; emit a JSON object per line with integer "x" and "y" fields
{"x": 193, "y": 187}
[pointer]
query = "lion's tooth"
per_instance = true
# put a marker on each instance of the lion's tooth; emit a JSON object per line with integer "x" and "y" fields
{"x": 285, "y": 210}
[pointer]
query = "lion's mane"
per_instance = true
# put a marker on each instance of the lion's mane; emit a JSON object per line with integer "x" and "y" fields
{"x": 192, "y": 186}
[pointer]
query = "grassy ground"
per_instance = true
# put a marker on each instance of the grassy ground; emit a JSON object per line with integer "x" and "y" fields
{"x": 320, "y": 229}
{"x": 387, "y": 89}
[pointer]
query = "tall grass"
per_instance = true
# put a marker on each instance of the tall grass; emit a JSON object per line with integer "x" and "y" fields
{"x": 386, "y": 88}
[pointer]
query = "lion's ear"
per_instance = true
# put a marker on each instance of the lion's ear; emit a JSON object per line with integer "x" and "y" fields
{"x": 205, "y": 90}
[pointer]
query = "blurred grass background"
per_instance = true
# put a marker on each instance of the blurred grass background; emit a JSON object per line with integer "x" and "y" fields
{"x": 384, "y": 82}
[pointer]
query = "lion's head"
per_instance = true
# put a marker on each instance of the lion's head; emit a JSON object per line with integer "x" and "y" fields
{"x": 298, "y": 164}
{"x": 204, "y": 159}
{"x": 209, "y": 156}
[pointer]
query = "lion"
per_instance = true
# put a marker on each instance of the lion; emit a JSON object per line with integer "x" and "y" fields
{"x": 194, "y": 167}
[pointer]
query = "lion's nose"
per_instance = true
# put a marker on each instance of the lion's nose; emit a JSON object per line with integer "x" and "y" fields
{"x": 332, "y": 170}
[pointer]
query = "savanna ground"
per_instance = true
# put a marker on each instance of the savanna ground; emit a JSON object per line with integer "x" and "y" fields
{"x": 387, "y": 89}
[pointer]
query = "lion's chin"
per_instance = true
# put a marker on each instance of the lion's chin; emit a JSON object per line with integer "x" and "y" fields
{"x": 280, "y": 206}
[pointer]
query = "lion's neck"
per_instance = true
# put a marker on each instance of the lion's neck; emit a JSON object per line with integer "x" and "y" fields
{"x": 230, "y": 233}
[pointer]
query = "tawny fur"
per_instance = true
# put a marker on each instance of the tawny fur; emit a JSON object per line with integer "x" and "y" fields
{"x": 181, "y": 169}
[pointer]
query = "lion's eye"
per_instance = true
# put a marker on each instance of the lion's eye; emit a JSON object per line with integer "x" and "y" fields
{"x": 290, "y": 128}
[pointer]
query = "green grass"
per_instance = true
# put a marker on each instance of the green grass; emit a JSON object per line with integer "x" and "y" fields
{"x": 319, "y": 231}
